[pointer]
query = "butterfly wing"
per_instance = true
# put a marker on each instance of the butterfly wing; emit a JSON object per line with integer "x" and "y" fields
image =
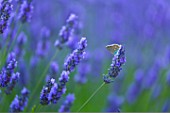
{"x": 113, "y": 48}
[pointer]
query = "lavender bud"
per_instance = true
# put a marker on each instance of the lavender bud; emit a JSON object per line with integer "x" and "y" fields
{"x": 7, "y": 71}
{"x": 45, "y": 92}
{"x": 25, "y": 92}
{"x": 15, "y": 105}
{"x": 20, "y": 102}
{"x": 53, "y": 95}
{"x": 64, "y": 78}
{"x": 4, "y": 78}
{"x": 11, "y": 65}
{"x": 44, "y": 96}
{"x": 13, "y": 81}
{"x": 72, "y": 20}
{"x": 59, "y": 89}
{"x": 65, "y": 107}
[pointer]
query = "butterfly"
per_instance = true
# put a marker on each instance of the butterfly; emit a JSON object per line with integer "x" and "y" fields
{"x": 113, "y": 48}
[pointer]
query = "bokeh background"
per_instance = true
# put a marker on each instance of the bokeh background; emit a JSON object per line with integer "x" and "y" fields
{"x": 142, "y": 27}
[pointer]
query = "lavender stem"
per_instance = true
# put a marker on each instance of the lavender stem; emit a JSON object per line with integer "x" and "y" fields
{"x": 94, "y": 93}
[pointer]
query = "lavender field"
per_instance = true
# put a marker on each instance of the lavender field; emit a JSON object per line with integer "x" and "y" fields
{"x": 84, "y": 56}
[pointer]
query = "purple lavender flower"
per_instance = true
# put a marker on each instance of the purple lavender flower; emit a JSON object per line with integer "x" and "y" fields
{"x": 59, "y": 89}
{"x": 5, "y": 12}
{"x": 72, "y": 20}
{"x": 64, "y": 78}
{"x": 45, "y": 92}
{"x": 4, "y": 78}
{"x": 20, "y": 102}
{"x": 66, "y": 31}
{"x": 11, "y": 65}
{"x": 13, "y": 81}
{"x": 76, "y": 56}
{"x": 15, "y": 105}
{"x": 26, "y": 11}
{"x": 53, "y": 97}
{"x": 65, "y": 107}
{"x": 55, "y": 91}
{"x": 8, "y": 70}
{"x": 117, "y": 62}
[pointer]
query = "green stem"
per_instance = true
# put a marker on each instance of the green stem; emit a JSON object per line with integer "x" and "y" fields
{"x": 38, "y": 108}
{"x": 41, "y": 78}
{"x": 94, "y": 93}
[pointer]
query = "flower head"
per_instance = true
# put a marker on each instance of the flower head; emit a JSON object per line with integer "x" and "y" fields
{"x": 26, "y": 11}
{"x": 45, "y": 92}
{"x": 76, "y": 56}
{"x": 116, "y": 66}
{"x": 66, "y": 31}
{"x": 59, "y": 89}
{"x": 7, "y": 75}
{"x": 20, "y": 102}
{"x": 13, "y": 81}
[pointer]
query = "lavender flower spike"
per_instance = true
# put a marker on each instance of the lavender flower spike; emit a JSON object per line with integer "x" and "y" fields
{"x": 76, "y": 56}
{"x": 5, "y": 11}
{"x": 26, "y": 11}
{"x": 20, "y": 102}
{"x": 8, "y": 70}
{"x": 66, "y": 31}
{"x": 117, "y": 62}
{"x": 45, "y": 92}
{"x": 67, "y": 103}
{"x": 59, "y": 89}
{"x": 13, "y": 81}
